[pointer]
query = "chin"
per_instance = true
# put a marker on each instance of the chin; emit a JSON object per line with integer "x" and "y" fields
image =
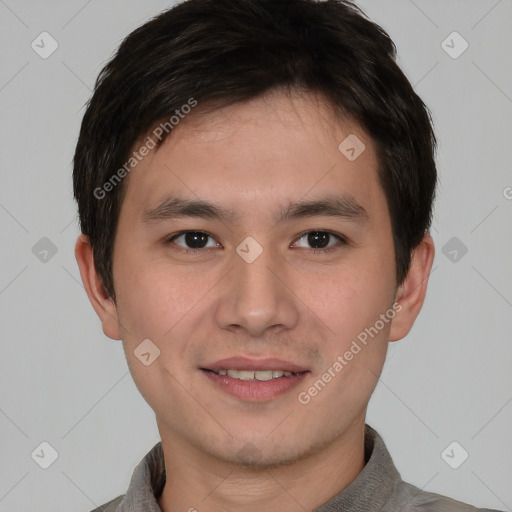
{"x": 262, "y": 453}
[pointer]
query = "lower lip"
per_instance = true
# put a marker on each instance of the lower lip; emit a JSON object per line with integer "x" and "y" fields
{"x": 255, "y": 390}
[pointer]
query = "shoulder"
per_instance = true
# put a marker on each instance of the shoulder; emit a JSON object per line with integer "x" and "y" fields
{"x": 412, "y": 499}
{"x": 111, "y": 506}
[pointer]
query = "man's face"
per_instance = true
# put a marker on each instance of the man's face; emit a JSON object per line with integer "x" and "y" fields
{"x": 320, "y": 280}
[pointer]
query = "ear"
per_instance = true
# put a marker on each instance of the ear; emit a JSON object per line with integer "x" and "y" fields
{"x": 101, "y": 302}
{"x": 411, "y": 293}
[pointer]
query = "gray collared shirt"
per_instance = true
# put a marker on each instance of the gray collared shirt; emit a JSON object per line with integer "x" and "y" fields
{"x": 378, "y": 487}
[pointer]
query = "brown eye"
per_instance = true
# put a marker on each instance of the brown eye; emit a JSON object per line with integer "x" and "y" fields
{"x": 318, "y": 240}
{"x": 193, "y": 240}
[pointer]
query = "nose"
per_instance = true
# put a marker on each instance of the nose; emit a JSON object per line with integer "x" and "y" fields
{"x": 257, "y": 296}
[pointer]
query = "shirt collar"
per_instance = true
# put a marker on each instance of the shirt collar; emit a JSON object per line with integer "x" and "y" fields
{"x": 371, "y": 489}
{"x": 146, "y": 484}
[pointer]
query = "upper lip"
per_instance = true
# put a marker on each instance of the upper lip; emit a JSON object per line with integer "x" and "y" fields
{"x": 245, "y": 363}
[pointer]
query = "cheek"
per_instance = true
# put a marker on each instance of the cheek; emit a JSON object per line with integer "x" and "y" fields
{"x": 151, "y": 296}
{"x": 157, "y": 303}
{"x": 349, "y": 297}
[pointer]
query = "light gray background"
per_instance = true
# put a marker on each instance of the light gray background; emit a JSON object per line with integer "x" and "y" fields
{"x": 63, "y": 382}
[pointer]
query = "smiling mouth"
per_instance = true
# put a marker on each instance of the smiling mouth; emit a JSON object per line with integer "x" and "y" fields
{"x": 256, "y": 375}
{"x": 259, "y": 385}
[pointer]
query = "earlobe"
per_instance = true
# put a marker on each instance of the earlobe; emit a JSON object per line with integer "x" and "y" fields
{"x": 101, "y": 302}
{"x": 411, "y": 293}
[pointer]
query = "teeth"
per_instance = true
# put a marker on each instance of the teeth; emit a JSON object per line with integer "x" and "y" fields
{"x": 255, "y": 375}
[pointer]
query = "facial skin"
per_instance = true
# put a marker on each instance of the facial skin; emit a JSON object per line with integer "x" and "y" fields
{"x": 291, "y": 303}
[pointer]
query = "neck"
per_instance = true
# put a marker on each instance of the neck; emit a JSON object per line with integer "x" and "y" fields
{"x": 196, "y": 483}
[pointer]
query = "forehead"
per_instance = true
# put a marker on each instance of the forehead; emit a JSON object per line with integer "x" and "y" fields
{"x": 280, "y": 146}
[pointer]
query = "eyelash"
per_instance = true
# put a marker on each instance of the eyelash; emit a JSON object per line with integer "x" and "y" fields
{"x": 341, "y": 238}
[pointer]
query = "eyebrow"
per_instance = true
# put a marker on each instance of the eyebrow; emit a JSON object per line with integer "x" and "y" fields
{"x": 343, "y": 206}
